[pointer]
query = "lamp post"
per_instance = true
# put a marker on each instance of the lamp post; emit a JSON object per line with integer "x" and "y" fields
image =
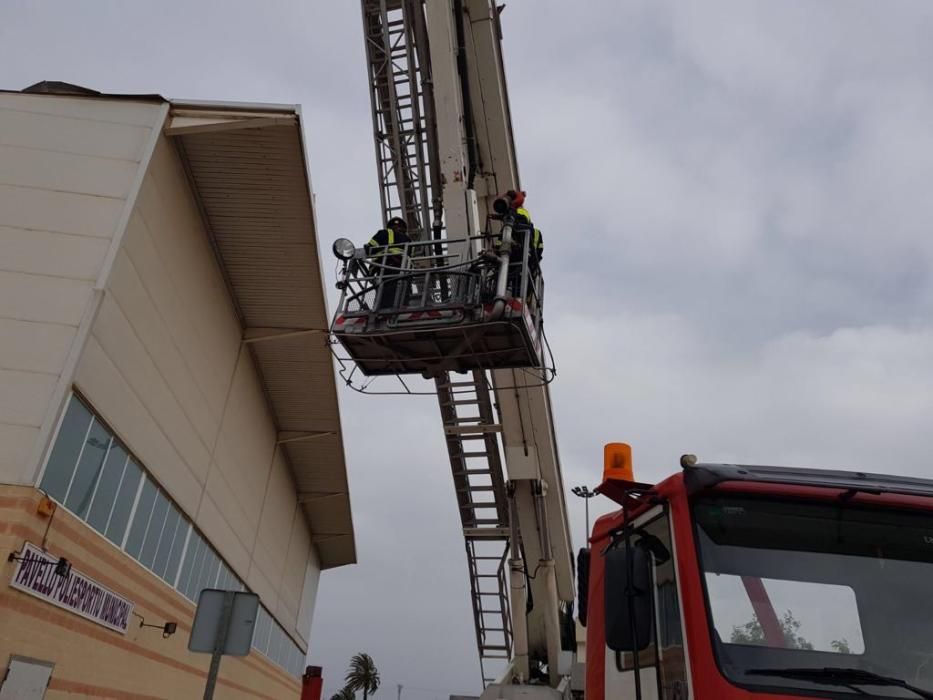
{"x": 584, "y": 493}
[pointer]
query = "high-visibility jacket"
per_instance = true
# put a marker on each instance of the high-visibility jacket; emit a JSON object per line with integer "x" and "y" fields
{"x": 386, "y": 242}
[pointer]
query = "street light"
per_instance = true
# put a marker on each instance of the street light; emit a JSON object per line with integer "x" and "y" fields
{"x": 585, "y": 493}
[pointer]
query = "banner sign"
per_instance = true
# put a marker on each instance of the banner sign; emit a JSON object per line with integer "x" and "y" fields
{"x": 35, "y": 575}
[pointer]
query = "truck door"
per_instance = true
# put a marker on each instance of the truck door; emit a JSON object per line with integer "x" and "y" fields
{"x": 662, "y": 661}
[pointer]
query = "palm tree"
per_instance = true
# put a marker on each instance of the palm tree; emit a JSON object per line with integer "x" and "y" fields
{"x": 344, "y": 694}
{"x": 362, "y": 675}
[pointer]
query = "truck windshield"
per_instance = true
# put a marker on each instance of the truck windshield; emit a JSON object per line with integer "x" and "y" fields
{"x": 819, "y": 598}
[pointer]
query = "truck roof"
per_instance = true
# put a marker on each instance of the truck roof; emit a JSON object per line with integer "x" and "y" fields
{"x": 702, "y": 476}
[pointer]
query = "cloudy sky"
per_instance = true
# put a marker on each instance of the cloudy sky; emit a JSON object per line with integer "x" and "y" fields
{"x": 736, "y": 202}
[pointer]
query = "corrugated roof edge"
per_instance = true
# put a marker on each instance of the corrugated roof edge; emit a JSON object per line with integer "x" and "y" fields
{"x": 307, "y": 160}
{"x": 235, "y": 106}
{"x": 59, "y": 87}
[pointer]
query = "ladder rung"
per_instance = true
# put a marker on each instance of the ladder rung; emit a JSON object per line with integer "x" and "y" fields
{"x": 486, "y": 533}
{"x": 471, "y": 429}
{"x": 460, "y": 402}
{"x": 464, "y": 419}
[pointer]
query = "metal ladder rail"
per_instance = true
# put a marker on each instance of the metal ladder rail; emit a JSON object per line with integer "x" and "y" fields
{"x": 394, "y": 35}
{"x": 472, "y": 440}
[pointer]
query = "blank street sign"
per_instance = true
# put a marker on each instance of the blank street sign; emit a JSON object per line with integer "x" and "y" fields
{"x": 209, "y": 617}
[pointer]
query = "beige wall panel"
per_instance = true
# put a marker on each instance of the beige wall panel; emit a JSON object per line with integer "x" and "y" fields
{"x": 16, "y": 444}
{"x": 65, "y": 212}
{"x": 177, "y": 234}
{"x": 308, "y": 596}
{"x": 173, "y": 339}
{"x": 247, "y": 440}
{"x": 219, "y": 532}
{"x": 194, "y": 430}
{"x": 278, "y": 513}
{"x": 44, "y": 299}
{"x": 66, "y": 172}
{"x": 34, "y": 347}
{"x": 116, "y": 334}
{"x": 53, "y": 254}
{"x": 94, "y": 109}
{"x": 110, "y": 394}
{"x": 258, "y": 583}
{"x": 68, "y": 135}
{"x": 232, "y": 511}
{"x": 232, "y": 469}
{"x": 187, "y": 240}
{"x": 24, "y": 396}
{"x": 287, "y": 612}
{"x": 296, "y": 564}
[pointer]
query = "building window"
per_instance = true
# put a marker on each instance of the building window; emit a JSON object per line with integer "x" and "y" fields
{"x": 96, "y": 477}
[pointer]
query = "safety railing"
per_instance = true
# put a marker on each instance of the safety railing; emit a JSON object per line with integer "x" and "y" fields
{"x": 438, "y": 282}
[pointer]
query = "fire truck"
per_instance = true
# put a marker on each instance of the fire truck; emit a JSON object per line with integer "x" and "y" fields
{"x": 721, "y": 581}
{"x": 726, "y": 581}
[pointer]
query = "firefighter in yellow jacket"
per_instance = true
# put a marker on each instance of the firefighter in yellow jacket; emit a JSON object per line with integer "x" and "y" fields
{"x": 385, "y": 249}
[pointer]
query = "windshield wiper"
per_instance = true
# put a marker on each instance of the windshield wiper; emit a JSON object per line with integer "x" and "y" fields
{"x": 840, "y": 676}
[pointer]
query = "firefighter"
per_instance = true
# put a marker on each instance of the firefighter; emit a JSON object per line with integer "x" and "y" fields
{"x": 514, "y": 201}
{"x": 524, "y": 225}
{"x": 385, "y": 249}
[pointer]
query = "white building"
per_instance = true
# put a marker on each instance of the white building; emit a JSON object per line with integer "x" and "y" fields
{"x": 165, "y": 378}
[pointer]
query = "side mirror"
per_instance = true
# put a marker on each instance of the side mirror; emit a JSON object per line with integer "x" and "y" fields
{"x": 628, "y": 598}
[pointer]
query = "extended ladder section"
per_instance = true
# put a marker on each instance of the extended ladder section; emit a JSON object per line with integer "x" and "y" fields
{"x": 405, "y": 133}
{"x": 402, "y": 109}
{"x": 472, "y": 437}
{"x": 444, "y": 150}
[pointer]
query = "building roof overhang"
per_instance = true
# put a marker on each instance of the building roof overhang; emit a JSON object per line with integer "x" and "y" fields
{"x": 249, "y": 173}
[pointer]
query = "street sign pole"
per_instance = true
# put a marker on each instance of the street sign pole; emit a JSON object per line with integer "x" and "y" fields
{"x": 220, "y": 642}
{"x": 224, "y": 622}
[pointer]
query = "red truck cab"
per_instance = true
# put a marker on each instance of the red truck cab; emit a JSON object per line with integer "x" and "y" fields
{"x": 738, "y": 582}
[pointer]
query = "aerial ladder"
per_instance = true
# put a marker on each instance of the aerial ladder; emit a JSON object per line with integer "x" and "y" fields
{"x": 462, "y": 313}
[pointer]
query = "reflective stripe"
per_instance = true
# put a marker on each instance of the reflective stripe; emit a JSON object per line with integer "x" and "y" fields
{"x": 521, "y": 211}
{"x": 389, "y": 249}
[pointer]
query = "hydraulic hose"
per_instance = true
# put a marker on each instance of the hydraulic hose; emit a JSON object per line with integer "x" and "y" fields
{"x": 502, "y": 280}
